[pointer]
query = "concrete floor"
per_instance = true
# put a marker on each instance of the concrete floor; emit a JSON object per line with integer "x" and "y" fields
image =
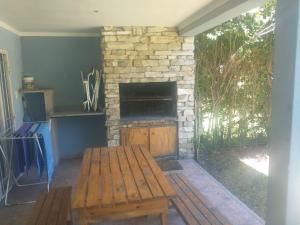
{"x": 66, "y": 174}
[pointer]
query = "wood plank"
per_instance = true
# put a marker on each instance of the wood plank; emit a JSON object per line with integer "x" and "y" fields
{"x": 36, "y": 209}
{"x": 212, "y": 209}
{"x": 147, "y": 172}
{"x": 79, "y": 199}
{"x": 184, "y": 212}
{"x": 65, "y": 206}
{"x": 198, "y": 215}
{"x": 93, "y": 195}
{"x": 135, "y": 136}
{"x": 140, "y": 181}
{"x": 54, "y": 211}
{"x": 44, "y": 212}
{"x": 119, "y": 193}
{"x": 196, "y": 201}
{"x": 161, "y": 178}
{"x": 163, "y": 140}
{"x": 96, "y": 215}
{"x": 107, "y": 194}
{"x": 131, "y": 189}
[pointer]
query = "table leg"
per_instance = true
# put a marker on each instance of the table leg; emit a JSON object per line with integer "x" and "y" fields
{"x": 82, "y": 218}
{"x": 82, "y": 221}
{"x": 163, "y": 218}
{"x": 164, "y": 214}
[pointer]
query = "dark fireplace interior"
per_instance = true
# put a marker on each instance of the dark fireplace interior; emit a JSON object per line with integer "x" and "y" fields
{"x": 148, "y": 100}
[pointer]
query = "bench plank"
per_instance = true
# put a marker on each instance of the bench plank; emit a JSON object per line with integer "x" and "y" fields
{"x": 192, "y": 205}
{"x": 44, "y": 211}
{"x": 198, "y": 203}
{"x": 197, "y": 214}
{"x": 52, "y": 208}
{"x": 65, "y": 206}
{"x": 188, "y": 217}
{"x": 54, "y": 211}
{"x": 36, "y": 209}
{"x": 210, "y": 207}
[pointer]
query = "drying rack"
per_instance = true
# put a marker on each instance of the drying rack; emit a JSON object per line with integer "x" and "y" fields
{"x": 8, "y": 179}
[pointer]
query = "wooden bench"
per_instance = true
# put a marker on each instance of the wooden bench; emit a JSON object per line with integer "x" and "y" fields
{"x": 52, "y": 208}
{"x": 191, "y": 204}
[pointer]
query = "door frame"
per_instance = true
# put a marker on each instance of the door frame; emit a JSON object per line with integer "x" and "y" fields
{"x": 8, "y": 74}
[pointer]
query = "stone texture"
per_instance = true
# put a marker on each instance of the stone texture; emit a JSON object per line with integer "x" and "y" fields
{"x": 149, "y": 54}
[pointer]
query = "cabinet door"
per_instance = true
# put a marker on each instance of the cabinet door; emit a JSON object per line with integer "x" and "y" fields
{"x": 163, "y": 141}
{"x": 135, "y": 136}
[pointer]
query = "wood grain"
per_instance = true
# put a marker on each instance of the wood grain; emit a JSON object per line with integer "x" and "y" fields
{"x": 192, "y": 206}
{"x": 118, "y": 187}
{"x": 163, "y": 141}
{"x": 148, "y": 174}
{"x": 52, "y": 208}
{"x": 142, "y": 185}
{"x": 135, "y": 136}
{"x": 107, "y": 198}
{"x": 162, "y": 179}
{"x": 82, "y": 183}
{"x": 131, "y": 189}
{"x": 93, "y": 194}
{"x": 120, "y": 182}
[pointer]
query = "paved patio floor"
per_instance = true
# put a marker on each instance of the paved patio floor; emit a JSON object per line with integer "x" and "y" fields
{"x": 67, "y": 171}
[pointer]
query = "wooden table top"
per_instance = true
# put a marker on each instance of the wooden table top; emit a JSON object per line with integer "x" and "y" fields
{"x": 119, "y": 175}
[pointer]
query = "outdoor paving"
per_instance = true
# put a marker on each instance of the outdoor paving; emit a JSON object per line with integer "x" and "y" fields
{"x": 220, "y": 197}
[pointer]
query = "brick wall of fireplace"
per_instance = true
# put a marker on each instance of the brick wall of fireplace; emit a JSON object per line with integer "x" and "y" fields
{"x": 149, "y": 54}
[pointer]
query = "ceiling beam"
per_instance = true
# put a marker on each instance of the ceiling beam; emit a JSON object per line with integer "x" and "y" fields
{"x": 214, "y": 14}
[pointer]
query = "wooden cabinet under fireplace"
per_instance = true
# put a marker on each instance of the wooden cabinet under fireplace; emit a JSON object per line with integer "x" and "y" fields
{"x": 160, "y": 141}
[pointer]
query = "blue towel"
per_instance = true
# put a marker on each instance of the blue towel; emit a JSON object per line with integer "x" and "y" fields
{"x": 30, "y": 146}
{"x": 27, "y": 150}
{"x": 20, "y": 156}
{"x": 45, "y": 135}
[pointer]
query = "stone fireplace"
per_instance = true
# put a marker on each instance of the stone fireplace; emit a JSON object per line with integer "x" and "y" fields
{"x": 153, "y": 56}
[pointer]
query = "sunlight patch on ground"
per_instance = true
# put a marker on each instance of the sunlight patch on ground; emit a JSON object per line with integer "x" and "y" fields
{"x": 260, "y": 163}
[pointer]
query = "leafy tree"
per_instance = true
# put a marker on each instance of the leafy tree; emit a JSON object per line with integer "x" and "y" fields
{"x": 234, "y": 80}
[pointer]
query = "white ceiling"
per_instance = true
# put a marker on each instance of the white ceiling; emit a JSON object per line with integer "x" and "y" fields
{"x": 78, "y": 16}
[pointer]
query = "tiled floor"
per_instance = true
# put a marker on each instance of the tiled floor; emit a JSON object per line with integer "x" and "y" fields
{"x": 221, "y": 198}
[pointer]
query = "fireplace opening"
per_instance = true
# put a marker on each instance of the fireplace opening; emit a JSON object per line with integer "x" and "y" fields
{"x": 148, "y": 100}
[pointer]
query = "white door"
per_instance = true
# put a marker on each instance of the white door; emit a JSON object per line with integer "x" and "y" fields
{"x": 6, "y": 111}
{"x": 6, "y": 115}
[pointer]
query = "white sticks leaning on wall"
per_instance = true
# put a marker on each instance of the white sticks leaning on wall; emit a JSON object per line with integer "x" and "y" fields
{"x": 91, "y": 87}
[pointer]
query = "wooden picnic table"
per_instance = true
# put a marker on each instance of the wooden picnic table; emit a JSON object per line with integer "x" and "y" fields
{"x": 119, "y": 183}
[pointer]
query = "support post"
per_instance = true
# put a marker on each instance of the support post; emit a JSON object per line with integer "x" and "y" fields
{"x": 284, "y": 179}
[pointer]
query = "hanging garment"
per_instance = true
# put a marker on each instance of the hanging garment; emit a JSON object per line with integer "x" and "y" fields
{"x": 39, "y": 149}
{"x": 28, "y": 146}
{"x": 19, "y": 162}
{"x": 33, "y": 146}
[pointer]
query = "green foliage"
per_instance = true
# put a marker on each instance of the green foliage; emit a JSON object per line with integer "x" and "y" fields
{"x": 234, "y": 80}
